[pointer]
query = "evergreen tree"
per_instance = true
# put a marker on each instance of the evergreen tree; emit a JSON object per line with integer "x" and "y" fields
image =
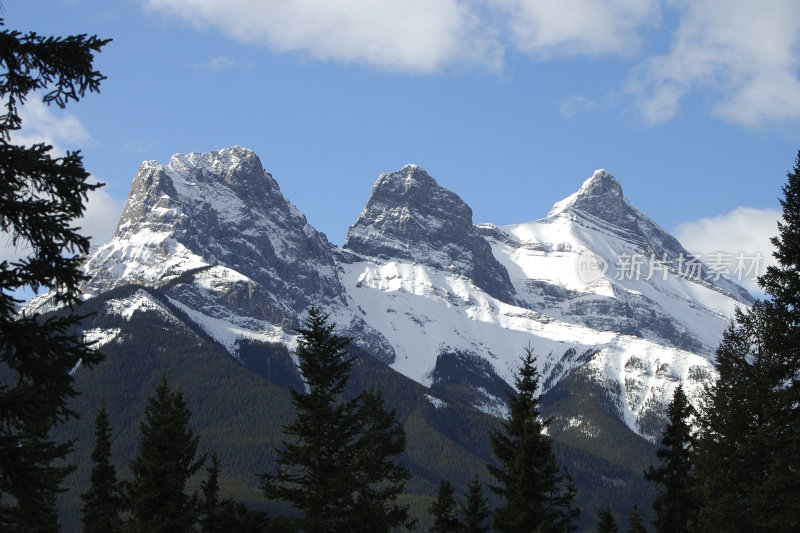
{"x": 40, "y": 197}
{"x": 606, "y": 522}
{"x": 729, "y": 455}
{"x": 225, "y": 515}
{"x": 378, "y": 476}
{"x": 443, "y": 510}
{"x": 235, "y": 516}
{"x": 165, "y": 462}
{"x": 675, "y": 505}
{"x": 748, "y": 459}
{"x": 635, "y": 521}
{"x": 104, "y": 501}
{"x": 209, "y": 506}
{"x": 476, "y": 510}
{"x": 569, "y": 521}
{"x": 527, "y": 473}
{"x": 776, "y": 503}
{"x": 335, "y": 467}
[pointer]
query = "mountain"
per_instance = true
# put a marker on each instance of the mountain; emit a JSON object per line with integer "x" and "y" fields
{"x": 211, "y": 269}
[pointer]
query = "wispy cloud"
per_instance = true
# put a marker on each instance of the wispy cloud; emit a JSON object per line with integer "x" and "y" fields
{"x": 63, "y": 131}
{"x": 42, "y": 123}
{"x": 745, "y": 230}
{"x": 98, "y": 222}
{"x": 417, "y": 36}
{"x": 221, "y": 63}
{"x": 573, "y": 104}
{"x": 743, "y": 55}
{"x": 577, "y": 27}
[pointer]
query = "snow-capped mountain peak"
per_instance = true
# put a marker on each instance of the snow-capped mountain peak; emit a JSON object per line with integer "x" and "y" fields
{"x": 599, "y": 194}
{"x": 409, "y": 216}
{"x": 419, "y": 286}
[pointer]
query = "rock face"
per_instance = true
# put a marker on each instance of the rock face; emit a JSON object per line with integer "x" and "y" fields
{"x": 600, "y": 201}
{"x": 418, "y": 286}
{"x": 219, "y": 209}
{"x": 409, "y": 216}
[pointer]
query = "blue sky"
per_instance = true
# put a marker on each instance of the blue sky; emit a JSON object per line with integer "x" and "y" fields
{"x": 693, "y": 105}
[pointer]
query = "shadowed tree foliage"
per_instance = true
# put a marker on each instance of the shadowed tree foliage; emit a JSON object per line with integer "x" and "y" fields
{"x": 675, "y": 505}
{"x": 104, "y": 502}
{"x": 210, "y": 505}
{"x": 336, "y": 465}
{"x": 443, "y": 510}
{"x": 378, "y": 476}
{"x": 571, "y": 513}
{"x": 40, "y": 197}
{"x": 217, "y": 515}
{"x": 527, "y": 474}
{"x": 606, "y": 522}
{"x": 165, "y": 462}
{"x": 635, "y": 521}
{"x": 748, "y": 460}
{"x": 475, "y": 509}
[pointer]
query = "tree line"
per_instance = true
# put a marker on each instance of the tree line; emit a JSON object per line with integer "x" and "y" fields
{"x": 338, "y": 465}
{"x": 733, "y": 463}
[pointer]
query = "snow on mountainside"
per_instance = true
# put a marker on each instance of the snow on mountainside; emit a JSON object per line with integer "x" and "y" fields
{"x": 419, "y": 286}
{"x": 643, "y": 334}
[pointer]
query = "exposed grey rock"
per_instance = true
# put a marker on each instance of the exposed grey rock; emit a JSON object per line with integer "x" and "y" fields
{"x": 220, "y": 208}
{"x": 600, "y": 201}
{"x": 409, "y": 216}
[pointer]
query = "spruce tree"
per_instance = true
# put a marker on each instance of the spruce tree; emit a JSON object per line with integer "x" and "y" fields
{"x": 335, "y": 465}
{"x": 166, "y": 460}
{"x": 379, "y": 478}
{"x": 635, "y": 521}
{"x": 210, "y": 504}
{"x": 475, "y": 509}
{"x": 748, "y": 457}
{"x": 526, "y": 471}
{"x": 675, "y": 505}
{"x": 606, "y": 522}
{"x": 571, "y": 513}
{"x": 104, "y": 502}
{"x": 776, "y": 503}
{"x": 730, "y": 456}
{"x": 40, "y": 198}
{"x": 216, "y": 515}
{"x": 443, "y": 510}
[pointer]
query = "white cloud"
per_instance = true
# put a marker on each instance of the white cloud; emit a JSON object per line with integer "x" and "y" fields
{"x": 578, "y": 27}
{"x": 745, "y": 230}
{"x": 62, "y": 130}
{"x": 48, "y": 124}
{"x": 98, "y": 222}
{"x": 416, "y": 36}
{"x": 745, "y": 53}
{"x": 221, "y": 63}
{"x": 573, "y": 104}
{"x": 101, "y": 216}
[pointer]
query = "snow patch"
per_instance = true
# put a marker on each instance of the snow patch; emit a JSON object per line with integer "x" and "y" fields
{"x": 436, "y": 402}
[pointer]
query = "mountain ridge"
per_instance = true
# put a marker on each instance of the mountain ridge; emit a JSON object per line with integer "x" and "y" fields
{"x": 416, "y": 281}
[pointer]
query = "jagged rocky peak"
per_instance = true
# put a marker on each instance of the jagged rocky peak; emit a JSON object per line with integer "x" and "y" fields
{"x": 601, "y": 196}
{"x": 239, "y": 168}
{"x": 217, "y": 208}
{"x": 409, "y": 207}
{"x": 225, "y": 179}
{"x": 409, "y": 216}
{"x": 601, "y": 203}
